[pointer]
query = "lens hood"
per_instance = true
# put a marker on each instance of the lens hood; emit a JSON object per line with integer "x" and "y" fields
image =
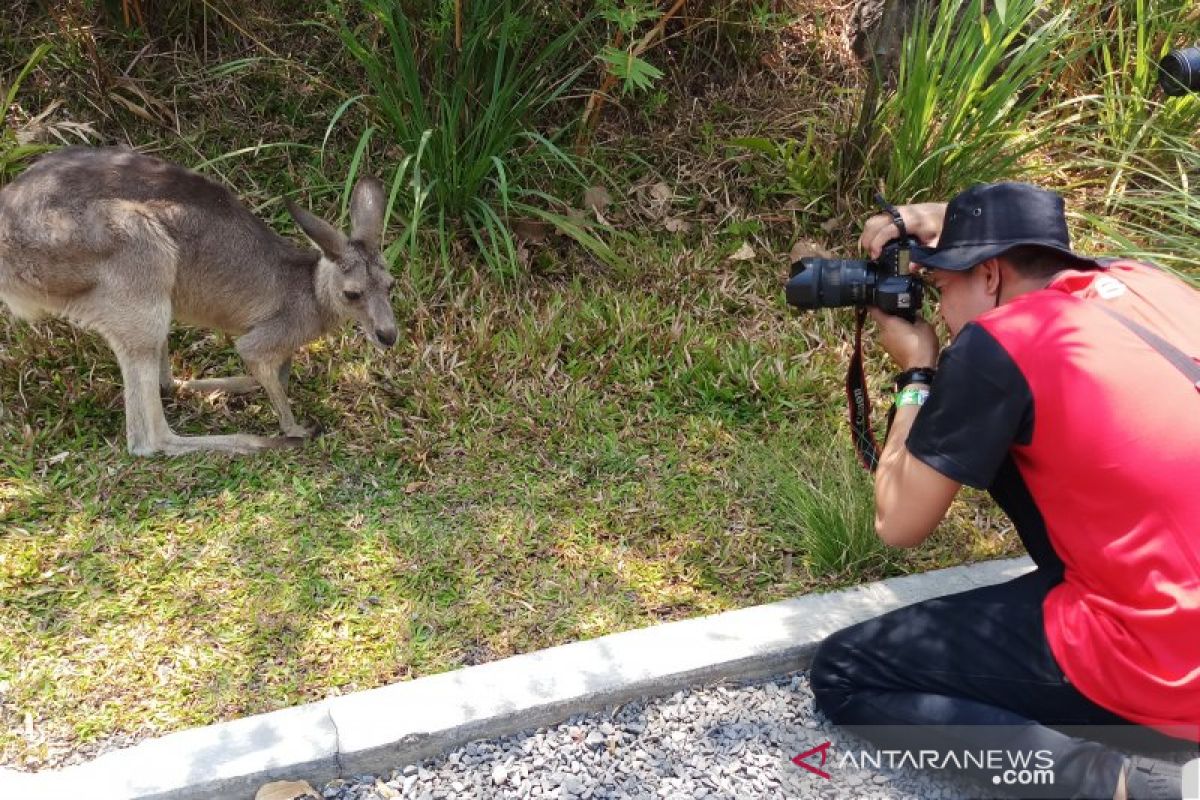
{"x": 1179, "y": 71}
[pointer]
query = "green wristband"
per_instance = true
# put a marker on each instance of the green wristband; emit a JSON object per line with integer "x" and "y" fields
{"x": 912, "y": 396}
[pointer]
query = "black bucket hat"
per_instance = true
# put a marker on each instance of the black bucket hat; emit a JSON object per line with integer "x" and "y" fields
{"x": 987, "y": 220}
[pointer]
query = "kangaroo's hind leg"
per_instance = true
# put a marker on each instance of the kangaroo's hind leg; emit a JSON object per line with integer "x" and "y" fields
{"x": 166, "y": 384}
{"x": 136, "y": 329}
{"x": 146, "y": 428}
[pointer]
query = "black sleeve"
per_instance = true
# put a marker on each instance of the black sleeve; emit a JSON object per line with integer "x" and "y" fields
{"x": 979, "y": 406}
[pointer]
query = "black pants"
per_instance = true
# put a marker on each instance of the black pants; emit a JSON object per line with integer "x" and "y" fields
{"x": 978, "y": 659}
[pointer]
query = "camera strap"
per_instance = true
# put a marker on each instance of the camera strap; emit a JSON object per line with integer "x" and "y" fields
{"x": 859, "y": 402}
{"x": 865, "y": 445}
{"x": 1179, "y": 359}
{"x": 894, "y": 213}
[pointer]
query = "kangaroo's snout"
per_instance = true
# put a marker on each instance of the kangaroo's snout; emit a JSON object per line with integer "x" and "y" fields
{"x": 387, "y": 338}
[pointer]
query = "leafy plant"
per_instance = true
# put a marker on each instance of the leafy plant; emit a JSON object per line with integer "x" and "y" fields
{"x": 627, "y": 15}
{"x": 635, "y": 74}
{"x": 461, "y": 91}
{"x": 804, "y": 169}
{"x": 626, "y": 63}
{"x": 623, "y": 56}
{"x": 13, "y": 152}
{"x": 964, "y": 104}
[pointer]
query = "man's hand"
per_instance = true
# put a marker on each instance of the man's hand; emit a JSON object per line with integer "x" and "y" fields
{"x": 923, "y": 220}
{"x": 910, "y": 344}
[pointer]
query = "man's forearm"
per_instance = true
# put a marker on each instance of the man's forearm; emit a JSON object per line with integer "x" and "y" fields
{"x": 910, "y": 496}
{"x": 889, "y": 473}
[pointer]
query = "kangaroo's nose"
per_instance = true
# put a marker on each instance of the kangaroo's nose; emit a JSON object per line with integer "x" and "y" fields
{"x": 386, "y": 338}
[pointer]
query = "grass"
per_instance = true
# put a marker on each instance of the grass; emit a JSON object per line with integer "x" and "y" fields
{"x": 970, "y": 79}
{"x": 825, "y": 506}
{"x": 14, "y": 152}
{"x": 585, "y": 447}
{"x": 1138, "y": 150}
{"x": 535, "y": 466}
{"x": 457, "y": 89}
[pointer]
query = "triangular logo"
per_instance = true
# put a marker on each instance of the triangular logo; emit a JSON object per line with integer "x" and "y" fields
{"x": 801, "y": 759}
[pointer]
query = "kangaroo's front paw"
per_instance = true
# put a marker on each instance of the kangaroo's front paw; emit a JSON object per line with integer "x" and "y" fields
{"x": 298, "y": 431}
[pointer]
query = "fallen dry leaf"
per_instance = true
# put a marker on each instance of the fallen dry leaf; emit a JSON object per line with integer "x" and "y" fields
{"x": 597, "y": 199}
{"x": 287, "y": 790}
{"x": 803, "y": 249}
{"x": 744, "y": 253}
{"x": 675, "y": 225}
{"x": 531, "y": 230}
{"x": 661, "y": 193}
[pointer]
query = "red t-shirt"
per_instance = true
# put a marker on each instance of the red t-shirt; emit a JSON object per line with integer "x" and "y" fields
{"x": 1104, "y": 435}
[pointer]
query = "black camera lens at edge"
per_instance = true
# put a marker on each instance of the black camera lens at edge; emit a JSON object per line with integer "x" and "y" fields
{"x": 1179, "y": 71}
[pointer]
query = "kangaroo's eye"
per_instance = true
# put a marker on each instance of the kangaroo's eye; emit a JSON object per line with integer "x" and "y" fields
{"x": 352, "y": 296}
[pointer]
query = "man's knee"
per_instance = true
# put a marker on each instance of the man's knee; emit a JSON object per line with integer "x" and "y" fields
{"x": 831, "y": 674}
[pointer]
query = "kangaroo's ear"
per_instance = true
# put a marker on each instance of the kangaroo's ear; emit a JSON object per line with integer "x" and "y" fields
{"x": 366, "y": 212}
{"x": 331, "y": 241}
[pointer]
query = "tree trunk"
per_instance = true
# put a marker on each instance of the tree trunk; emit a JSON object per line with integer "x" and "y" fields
{"x": 876, "y": 31}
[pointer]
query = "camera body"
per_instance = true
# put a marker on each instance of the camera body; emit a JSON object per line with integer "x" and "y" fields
{"x": 834, "y": 283}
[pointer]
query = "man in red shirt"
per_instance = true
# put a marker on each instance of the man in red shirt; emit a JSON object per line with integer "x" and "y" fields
{"x": 1057, "y": 395}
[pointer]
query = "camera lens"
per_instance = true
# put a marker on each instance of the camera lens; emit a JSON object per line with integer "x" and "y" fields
{"x": 831, "y": 283}
{"x": 1179, "y": 71}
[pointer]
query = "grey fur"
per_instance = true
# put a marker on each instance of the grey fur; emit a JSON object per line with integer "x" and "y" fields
{"x": 120, "y": 243}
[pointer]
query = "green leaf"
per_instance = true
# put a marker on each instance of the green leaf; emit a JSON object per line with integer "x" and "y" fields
{"x": 636, "y": 74}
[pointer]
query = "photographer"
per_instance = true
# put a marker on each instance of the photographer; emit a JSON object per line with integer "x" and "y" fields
{"x": 1087, "y": 436}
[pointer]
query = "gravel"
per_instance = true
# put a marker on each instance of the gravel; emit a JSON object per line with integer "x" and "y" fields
{"x": 725, "y": 742}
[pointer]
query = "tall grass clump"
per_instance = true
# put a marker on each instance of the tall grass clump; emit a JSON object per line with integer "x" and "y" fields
{"x": 1124, "y": 42}
{"x": 968, "y": 89}
{"x": 462, "y": 88}
{"x": 820, "y": 505}
{"x": 1156, "y": 216}
{"x": 1135, "y": 149}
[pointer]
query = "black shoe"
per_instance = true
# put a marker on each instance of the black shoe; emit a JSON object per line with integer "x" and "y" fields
{"x": 1152, "y": 779}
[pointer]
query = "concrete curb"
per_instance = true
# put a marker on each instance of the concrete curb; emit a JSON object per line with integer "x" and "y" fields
{"x": 377, "y": 730}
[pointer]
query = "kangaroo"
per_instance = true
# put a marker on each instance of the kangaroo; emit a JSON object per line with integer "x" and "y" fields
{"x": 121, "y": 243}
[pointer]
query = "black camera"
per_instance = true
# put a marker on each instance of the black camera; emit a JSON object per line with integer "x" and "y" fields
{"x": 884, "y": 282}
{"x": 1179, "y": 71}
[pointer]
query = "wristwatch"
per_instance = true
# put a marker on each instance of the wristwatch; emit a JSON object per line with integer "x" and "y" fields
{"x": 914, "y": 375}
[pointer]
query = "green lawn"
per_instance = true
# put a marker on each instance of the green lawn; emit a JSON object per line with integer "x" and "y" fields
{"x": 578, "y": 449}
{"x": 530, "y": 466}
